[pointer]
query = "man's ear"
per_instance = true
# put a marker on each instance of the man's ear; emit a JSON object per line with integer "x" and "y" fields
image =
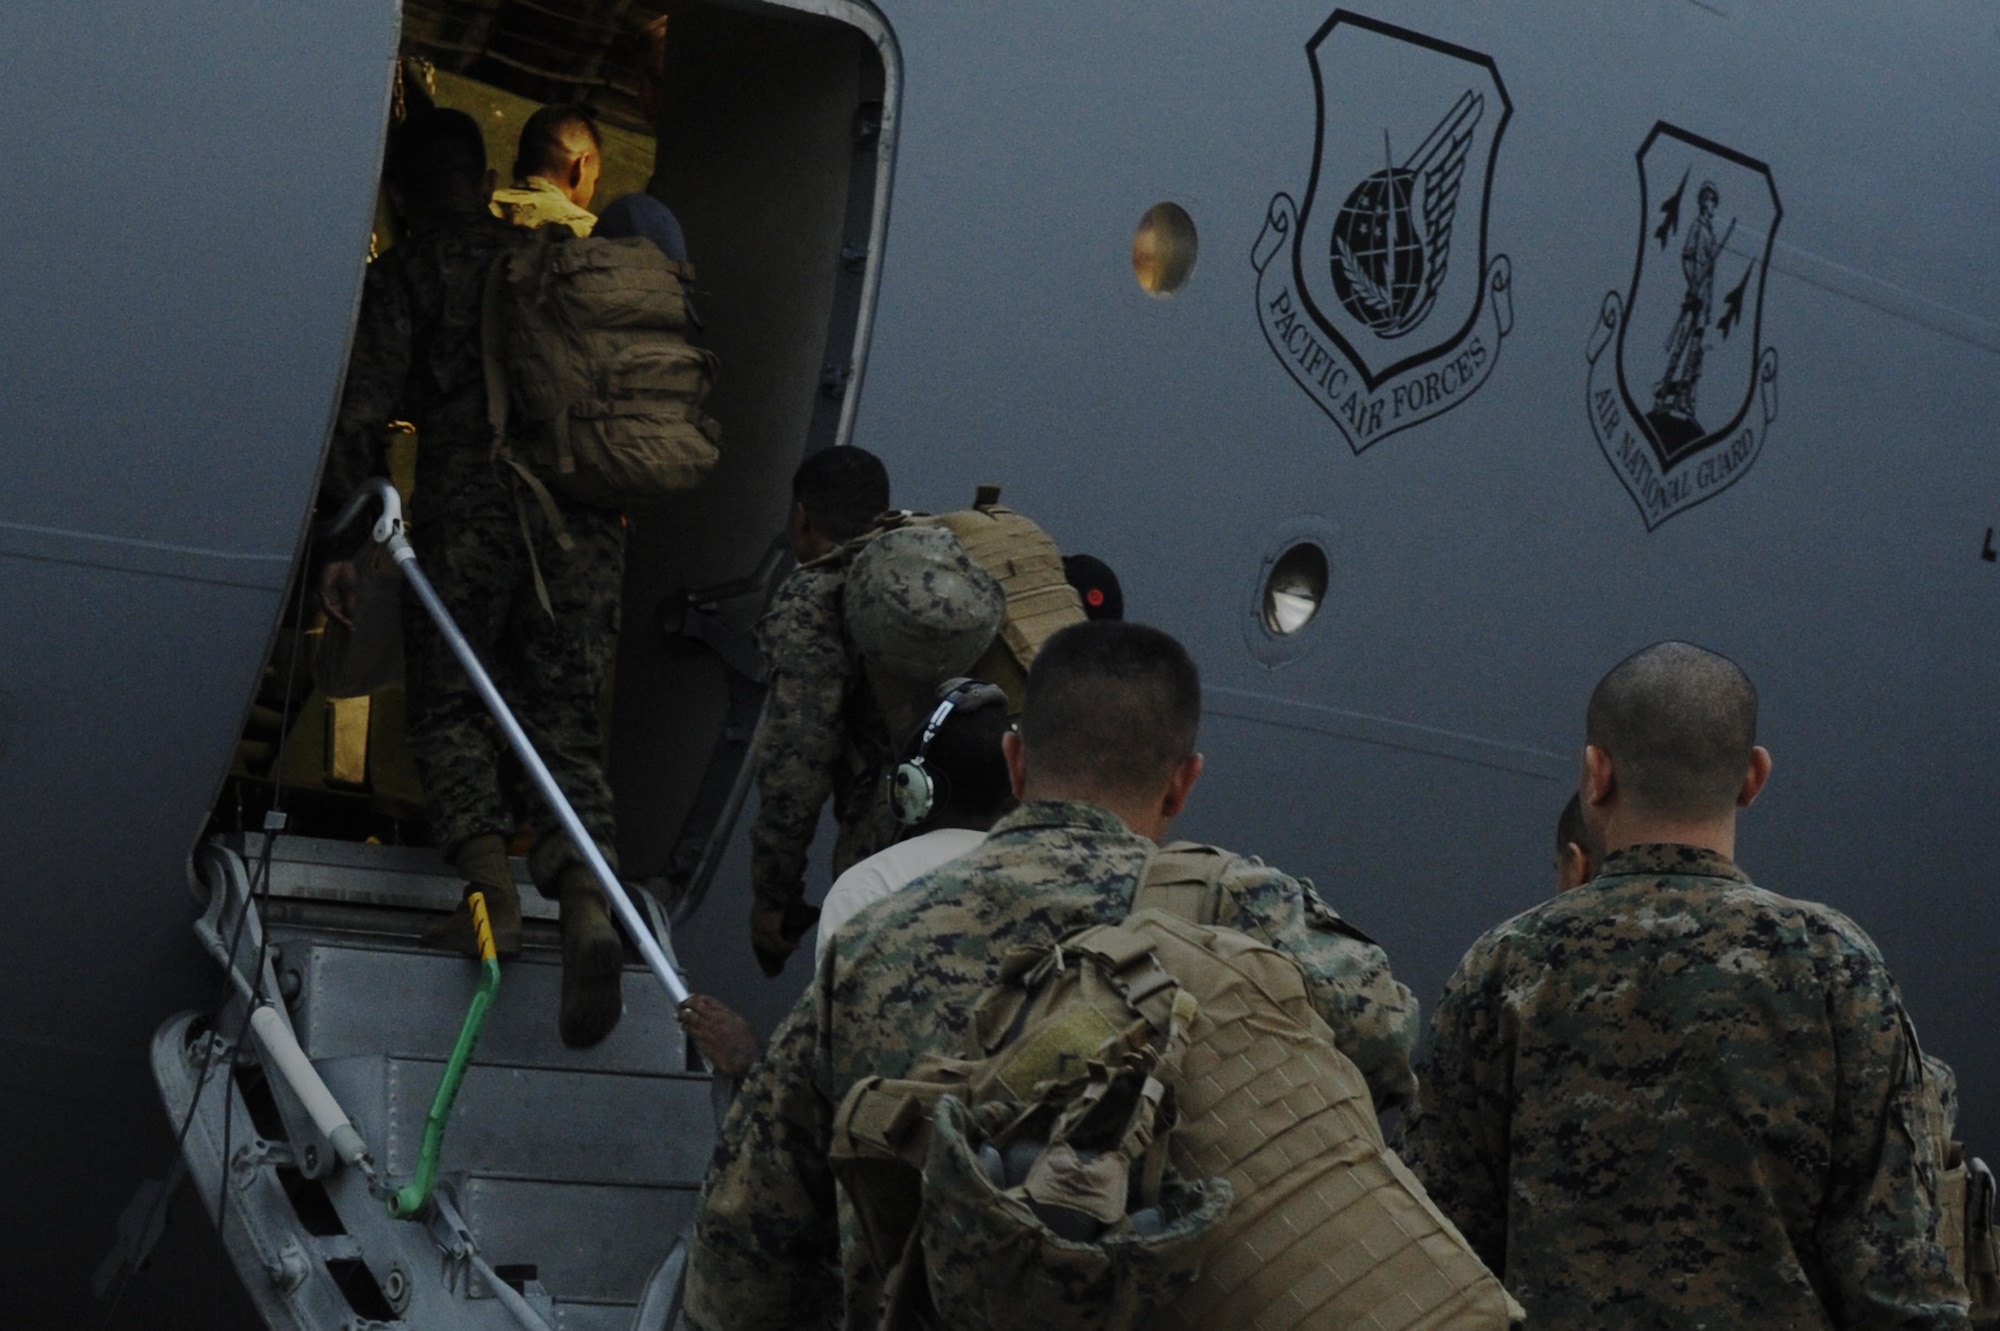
{"x": 1575, "y": 866}
{"x": 1017, "y": 762}
{"x": 1754, "y": 779}
{"x": 1600, "y": 776}
{"x": 489, "y": 183}
{"x": 1180, "y": 785}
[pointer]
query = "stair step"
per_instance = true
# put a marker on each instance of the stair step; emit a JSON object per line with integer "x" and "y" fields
{"x": 410, "y": 877}
{"x": 607, "y": 1259}
{"x": 532, "y": 1123}
{"x": 405, "y": 1002}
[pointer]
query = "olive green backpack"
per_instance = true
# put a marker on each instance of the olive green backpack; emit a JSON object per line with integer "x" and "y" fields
{"x": 585, "y": 344}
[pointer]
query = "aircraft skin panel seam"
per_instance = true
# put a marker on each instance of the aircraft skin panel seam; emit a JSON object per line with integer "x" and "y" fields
{"x": 1892, "y": 300}
{"x": 1317, "y": 718}
{"x": 117, "y": 554}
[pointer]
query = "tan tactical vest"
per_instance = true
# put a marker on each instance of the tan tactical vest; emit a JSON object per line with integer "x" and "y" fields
{"x": 1327, "y": 1228}
{"x": 1028, "y": 566}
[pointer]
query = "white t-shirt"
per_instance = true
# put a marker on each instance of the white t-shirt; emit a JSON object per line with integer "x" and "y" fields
{"x": 884, "y": 872}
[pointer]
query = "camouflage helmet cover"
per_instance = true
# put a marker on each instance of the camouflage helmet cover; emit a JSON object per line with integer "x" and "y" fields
{"x": 919, "y": 607}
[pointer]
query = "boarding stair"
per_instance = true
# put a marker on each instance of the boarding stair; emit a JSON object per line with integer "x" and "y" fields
{"x": 363, "y": 1169}
{"x": 568, "y": 1173}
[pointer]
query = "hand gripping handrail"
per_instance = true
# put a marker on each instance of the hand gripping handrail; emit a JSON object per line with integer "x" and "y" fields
{"x": 388, "y": 532}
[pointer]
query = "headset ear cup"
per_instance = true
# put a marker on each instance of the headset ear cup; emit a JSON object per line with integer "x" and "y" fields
{"x": 911, "y": 793}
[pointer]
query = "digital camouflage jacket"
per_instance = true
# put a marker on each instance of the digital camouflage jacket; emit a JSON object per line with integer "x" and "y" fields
{"x": 417, "y": 357}
{"x": 1670, "y": 1098}
{"x": 823, "y": 735}
{"x": 902, "y": 980}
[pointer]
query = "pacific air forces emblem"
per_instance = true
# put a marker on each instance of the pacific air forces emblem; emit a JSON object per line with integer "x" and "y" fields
{"x": 1682, "y": 408}
{"x": 1377, "y": 293}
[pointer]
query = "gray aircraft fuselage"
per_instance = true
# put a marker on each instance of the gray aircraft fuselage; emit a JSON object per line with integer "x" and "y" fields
{"x": 1442, "y": 276}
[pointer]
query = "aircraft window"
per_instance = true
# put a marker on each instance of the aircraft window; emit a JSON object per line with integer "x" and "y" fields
{"x": 1295, "y": 589}
{"x": 1163, "y": 249}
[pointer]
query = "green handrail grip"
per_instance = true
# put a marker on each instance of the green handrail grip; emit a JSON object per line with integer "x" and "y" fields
{"x": 410, "y": 1201}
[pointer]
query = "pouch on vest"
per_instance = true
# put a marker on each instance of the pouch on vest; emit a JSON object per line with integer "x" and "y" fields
{"x": 1966, "y": 1230}
{"x": 592, "y": 389}
{"x": 1965, "y": 1187}
{"x": 1033, "y": 1188}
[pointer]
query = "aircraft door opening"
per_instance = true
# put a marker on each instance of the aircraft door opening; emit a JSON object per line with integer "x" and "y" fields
{"x": 767, "y": 129}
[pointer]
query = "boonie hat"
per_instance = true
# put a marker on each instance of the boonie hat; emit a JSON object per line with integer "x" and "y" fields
{"x": 919, "y": 607}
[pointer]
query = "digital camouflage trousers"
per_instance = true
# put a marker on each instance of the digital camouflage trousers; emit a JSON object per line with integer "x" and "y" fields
{"x": 550, "y": 668}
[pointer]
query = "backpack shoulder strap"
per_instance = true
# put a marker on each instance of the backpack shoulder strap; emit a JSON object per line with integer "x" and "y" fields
{"x": 496, "y": 416}
{"x": 1184, "y": 878}
{"x": 489, "y": 348}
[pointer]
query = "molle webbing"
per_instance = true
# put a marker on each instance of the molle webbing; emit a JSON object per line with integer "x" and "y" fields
{"x": 1080, "y": 1038}
{"x": 1028, "y": 566}
{"x": 1184, "y": 879}
{"x": 1328, "y": 1230}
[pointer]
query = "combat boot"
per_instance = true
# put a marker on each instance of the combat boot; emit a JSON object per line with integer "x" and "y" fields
{"x": 593, "y": 962}
{"x": 482, "y": 863}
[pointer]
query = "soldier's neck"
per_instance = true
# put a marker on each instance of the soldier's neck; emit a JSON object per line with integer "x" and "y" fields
{"x": 1626, "y": 826}
{"x": 1144, "y": 816}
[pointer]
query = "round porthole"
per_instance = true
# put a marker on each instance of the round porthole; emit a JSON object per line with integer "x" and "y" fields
{"x": 1163, "y": 249}
{"x": 1295, "y": 588}
{"x": 1286, "y": 609}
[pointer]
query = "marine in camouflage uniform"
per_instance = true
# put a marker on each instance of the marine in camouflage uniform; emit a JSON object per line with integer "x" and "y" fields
{"x": 417, "y": 357}
{"x": 823, "y": 735}
{"x": 1669, "y": 1098}
{"x": 880, "y": 623}
{"x": 901, "y": 981}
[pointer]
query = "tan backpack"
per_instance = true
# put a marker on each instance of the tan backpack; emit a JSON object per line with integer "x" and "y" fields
{"x": 585, "y": 341}
{"x": 1327, "y": 1228}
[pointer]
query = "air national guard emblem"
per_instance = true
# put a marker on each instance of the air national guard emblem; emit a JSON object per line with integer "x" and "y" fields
{"x": 1672, "y": 409}
{"x": 1377, "y": 294}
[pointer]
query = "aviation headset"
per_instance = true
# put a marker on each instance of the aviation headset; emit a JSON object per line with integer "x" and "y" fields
{"x": 913, "y": 789}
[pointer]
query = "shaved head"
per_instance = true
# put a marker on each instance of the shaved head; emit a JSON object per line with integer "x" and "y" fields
{"x": 1112, "y": 707}
{"x": 553, "y": 139}
{"x": 1679, "y": 722}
